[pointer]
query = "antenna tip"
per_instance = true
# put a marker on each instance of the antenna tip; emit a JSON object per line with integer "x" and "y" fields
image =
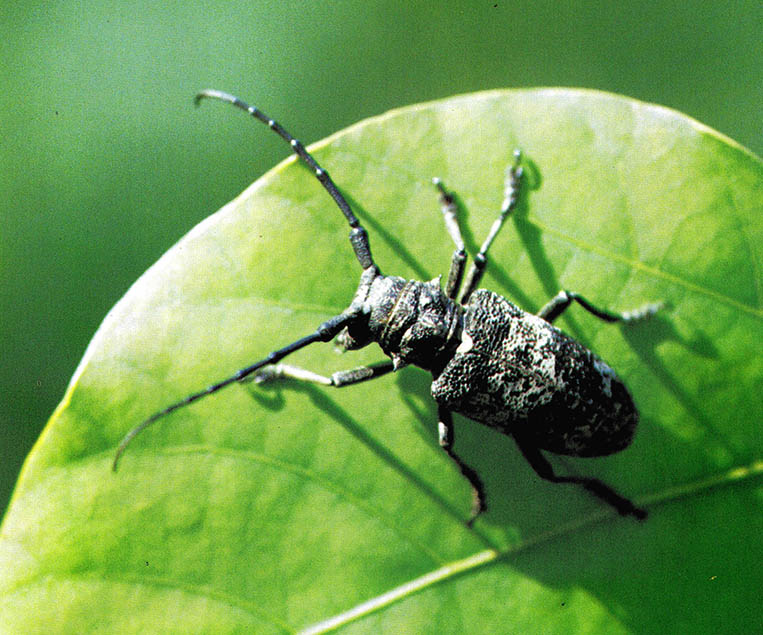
{"x": 211, "y": 93}
{"x": 203, "y": 94}
{"x": 117, "y": 456}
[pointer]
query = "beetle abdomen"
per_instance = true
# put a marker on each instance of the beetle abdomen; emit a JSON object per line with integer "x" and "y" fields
{"x": 517, "y": 373}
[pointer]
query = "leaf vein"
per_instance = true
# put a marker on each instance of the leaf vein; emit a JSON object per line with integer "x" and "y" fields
{"x": 483, "y": 558}
{"x": 411, "y": 179}
{"x": 163, "y": 583}
{"x": 326, "y": 484}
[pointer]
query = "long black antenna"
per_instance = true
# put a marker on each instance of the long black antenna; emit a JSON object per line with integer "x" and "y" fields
{"x": 324, "y": 333}
{"x": 358, "y": 235}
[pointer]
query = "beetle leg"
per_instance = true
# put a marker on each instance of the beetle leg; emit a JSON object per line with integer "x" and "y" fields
{"x": 450, "y": 216}
{"x": 510, "y": 199}
{"x": 562, "y": 300}
{"x": 338, "y": 379}
{"x": 543, "y": 468}
{"x": 325, "y": 332}
{"x": 445, "y": 433}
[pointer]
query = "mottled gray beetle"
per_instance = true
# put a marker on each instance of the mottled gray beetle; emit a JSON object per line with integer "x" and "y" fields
{"x": 491, "y": 361}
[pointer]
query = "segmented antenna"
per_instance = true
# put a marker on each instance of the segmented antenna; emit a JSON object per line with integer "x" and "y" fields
{"x": 358, "y": 235}
{"x": 324, "y": 333}
{"x": 186, "y": 401}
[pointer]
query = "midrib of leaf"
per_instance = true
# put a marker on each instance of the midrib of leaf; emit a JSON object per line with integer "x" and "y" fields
{"x": 374, "y": 604}
{"x": 483, "y": 558}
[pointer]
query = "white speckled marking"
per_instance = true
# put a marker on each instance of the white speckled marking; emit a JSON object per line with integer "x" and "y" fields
{"x": 606, "y": 376}
{"x": 466, "y": 343}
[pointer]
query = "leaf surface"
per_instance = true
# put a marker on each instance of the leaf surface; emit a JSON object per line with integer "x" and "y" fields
{"x": 289, "y": 507}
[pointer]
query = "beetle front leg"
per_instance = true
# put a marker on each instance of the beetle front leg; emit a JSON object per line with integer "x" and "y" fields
{"x": 543, "y": 468}
{"x": 511, "y": 190}
{"x": 562, "y": 300}
{"x": 445, "y": 433}
{"x": 450, "y": 216}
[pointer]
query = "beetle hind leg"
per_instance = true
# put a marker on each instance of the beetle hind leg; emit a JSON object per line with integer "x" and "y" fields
{"x": 598, "y": 488}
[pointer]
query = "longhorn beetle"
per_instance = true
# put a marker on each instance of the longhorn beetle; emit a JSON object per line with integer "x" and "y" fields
{"x": 490, "y": 360}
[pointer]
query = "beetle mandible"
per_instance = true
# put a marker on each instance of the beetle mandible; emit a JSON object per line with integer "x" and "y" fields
{"x": 490, "y": 360}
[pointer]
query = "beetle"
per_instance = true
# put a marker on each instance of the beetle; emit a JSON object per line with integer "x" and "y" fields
{"x": 490, "y": 361}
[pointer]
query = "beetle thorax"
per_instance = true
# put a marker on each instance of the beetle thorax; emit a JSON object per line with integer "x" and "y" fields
{"x": 413, "y": 322}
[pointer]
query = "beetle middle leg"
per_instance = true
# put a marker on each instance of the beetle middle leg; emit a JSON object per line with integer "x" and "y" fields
{"x": 365, "y": 373}
{"x": 445, "y": 433}
{"x": 562, "y": 300}
{"x": 337, "y": 380}
{"x": 543, "y": 468}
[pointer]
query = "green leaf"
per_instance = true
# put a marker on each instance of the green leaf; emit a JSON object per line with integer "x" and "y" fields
{"x": 271, "y": 509}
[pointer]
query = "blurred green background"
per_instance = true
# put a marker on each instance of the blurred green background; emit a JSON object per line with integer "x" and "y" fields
{"x": 105, "y": 163}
